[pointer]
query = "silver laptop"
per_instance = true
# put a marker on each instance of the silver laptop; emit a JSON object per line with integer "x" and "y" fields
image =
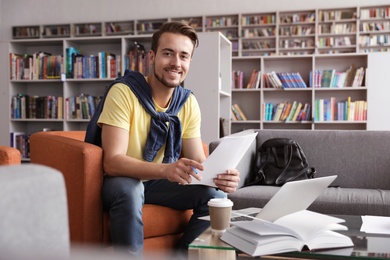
{"x": 291, "y": 197}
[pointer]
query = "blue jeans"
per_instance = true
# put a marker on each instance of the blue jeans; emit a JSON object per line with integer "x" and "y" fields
{"x": 124, "y": 197}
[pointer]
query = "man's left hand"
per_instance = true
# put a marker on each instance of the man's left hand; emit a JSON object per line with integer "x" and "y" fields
{"x": 228, "y": 181}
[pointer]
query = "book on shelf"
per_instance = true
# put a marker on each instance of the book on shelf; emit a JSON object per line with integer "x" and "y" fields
{"x": 291, "y": 80}
{"x": 254, "y": 79}
{"x": 137, "y": 58}
{"x": 237, "y": 79}
{"x": 327, "y": 78}
{"x": 297, "y": 110}
{"x": 268, "y": 111}
{"x": 20, "y": 141}
{"x": 278, "y": 112}
{"x": 286, "y": 111}
{"x": 302, "y": 230}
{"x": 31, "y": 106}
{"x": 39, "y": 65}
{"x": 272, "y": 80}
{"x": 358, "y": 78}
{"x": 327, "y": 110}
{"x": 237, "y": 113}
{"x": 81, "y": 107}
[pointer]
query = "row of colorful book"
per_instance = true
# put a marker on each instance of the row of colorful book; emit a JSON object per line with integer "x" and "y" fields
{"x": 39, "y": 65}
{"x": 102, "y": 65}
{"x": 42, "y": 107}
{"x": 238, "y": 80}
{"x": 82, "y": 106}
{"x": 284, "y": 80}
{"x": 52, "y": 107}
{"x": 331, "y": 110}
{"x": 287, "y": 111}
{"x": 330, "y": 78}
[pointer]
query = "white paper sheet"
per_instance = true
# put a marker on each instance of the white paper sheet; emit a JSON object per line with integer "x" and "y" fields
{"x": 376, "y": 224}
{"x": 226, "y": 156}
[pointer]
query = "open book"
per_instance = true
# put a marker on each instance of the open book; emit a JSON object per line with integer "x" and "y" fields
{"x": 289, "y": 233}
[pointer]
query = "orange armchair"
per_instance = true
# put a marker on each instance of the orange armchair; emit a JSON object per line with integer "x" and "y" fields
{"x": 9, "y": 155}
{"x": 81, "y": 165}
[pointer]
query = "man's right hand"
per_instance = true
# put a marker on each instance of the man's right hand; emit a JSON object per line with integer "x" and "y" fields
{"x": 182, "y": 170}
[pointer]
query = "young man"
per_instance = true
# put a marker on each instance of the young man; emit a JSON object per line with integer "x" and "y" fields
{"x": 146, "y": 123}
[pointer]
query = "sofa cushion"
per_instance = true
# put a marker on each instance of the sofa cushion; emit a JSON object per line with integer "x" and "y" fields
{"x": 361, "y": 159}
{"x": 344, "y": 201}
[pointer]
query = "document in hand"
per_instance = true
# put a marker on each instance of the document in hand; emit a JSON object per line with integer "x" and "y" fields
{"x": 226, "y": 156}
{"x": 287, "y": 234}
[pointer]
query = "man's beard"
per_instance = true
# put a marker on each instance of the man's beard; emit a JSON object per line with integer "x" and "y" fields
{"x": 163, "y": 81}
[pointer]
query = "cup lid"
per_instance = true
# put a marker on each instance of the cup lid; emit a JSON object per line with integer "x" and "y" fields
{"x": 220, "y": 202}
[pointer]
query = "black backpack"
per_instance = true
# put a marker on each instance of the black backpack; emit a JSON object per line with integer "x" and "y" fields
{"x": 279, "y": 160}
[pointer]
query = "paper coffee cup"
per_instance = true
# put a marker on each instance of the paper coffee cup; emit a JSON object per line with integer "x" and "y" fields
{"x": 220, "y": 211}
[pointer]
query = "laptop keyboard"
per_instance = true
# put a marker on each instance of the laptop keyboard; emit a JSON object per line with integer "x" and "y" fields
{"x": 243, "y": 218}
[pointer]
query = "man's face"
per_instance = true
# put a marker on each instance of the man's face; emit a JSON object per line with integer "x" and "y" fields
{"x": 172, "y": 60}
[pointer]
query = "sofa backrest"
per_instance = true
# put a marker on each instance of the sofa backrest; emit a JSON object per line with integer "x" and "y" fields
{"x": 361, "y": 159}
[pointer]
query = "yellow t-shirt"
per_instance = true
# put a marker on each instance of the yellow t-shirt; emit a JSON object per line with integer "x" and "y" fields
{"x": 122, "y": 109}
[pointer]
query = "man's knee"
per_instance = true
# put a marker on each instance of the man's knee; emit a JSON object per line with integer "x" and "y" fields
{"x": 122, "y": 190}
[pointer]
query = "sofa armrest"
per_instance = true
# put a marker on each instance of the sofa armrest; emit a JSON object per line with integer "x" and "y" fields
{"x": 83, "y": 174}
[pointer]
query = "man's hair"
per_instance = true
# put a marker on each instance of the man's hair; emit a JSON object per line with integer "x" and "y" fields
{"x": 175, "y": 27}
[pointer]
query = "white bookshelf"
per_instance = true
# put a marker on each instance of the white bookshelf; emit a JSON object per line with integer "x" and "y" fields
{"x": 373, "y": 90}
{"x": 210, "y": 81}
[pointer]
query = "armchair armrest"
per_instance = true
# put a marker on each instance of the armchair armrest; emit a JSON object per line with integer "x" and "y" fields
{"x": 83, "y": 174}
{"x": 9, "y": 155}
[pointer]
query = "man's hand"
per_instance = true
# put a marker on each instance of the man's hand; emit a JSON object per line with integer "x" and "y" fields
{"x": 228, "y": 181}
{"x": 181, "y": 171}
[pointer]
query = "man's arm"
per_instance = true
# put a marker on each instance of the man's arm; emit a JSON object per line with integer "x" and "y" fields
{"x": 193, "y": 149}
{"x": 117, "y": 163}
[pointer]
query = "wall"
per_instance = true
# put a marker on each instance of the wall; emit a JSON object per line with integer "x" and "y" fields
{"x": 27, "y": 12}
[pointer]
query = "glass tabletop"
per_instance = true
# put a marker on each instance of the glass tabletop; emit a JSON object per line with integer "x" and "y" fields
{"x": 366, "y": 245}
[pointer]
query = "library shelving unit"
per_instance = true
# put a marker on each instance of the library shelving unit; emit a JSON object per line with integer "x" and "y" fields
{"x": 297, "y": 32}
{"x": 252, "y": 101}
{"x": 318, "y": 31}
{"x": 228, "y": 25}
{"x": 56, "y": 91}
{"x": 282, "y": 41}
{"x": 195, "y": 21}
{"x": 258, "y": 34}
{"x": 209, "y": 79}
{"x": 374, "y": 29}
{"x": 337, "y": 31}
